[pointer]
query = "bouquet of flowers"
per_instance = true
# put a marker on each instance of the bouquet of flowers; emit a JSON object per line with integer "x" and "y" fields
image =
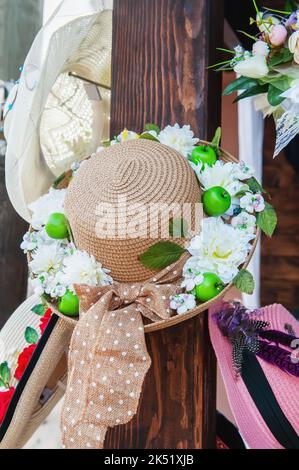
{"x": 270, "y": 70}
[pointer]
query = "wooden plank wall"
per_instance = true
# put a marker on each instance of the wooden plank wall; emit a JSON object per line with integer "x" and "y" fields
{"x": 280, "y": 255}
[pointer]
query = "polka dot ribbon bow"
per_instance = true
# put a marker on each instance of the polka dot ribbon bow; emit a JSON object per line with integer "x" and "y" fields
{"x": 108, "y": 359}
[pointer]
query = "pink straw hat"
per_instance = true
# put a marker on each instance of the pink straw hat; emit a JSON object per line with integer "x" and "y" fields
{"x": 261, "y": 426}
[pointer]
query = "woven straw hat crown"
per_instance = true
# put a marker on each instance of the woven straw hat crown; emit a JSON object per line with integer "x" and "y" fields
{"x": 120, "y": 198}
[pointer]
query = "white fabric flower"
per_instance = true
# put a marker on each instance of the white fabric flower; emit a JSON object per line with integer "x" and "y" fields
{"x": 294, "y": 45}
{"x": 252, "y": 202}
{"x": 180, "y": 138}
{"x": 46, "y": 258}
{"x": 82, "y": 268}
{"x": 244, "y": 221}
{"x": 253, "y": 67}
{"x": 260, "y": 48}
{"x": 191, "y": 279}
{"x": 126, "y": 135}
{"x": 235, "y": 206}
{"x": 219, "y": 249}
{"x": 46, "y": 205}
{"x": 36, "y": 238}
{"x": 182, "y": 303}
{"x": 244, "y": 171}
{"x": 221, "y": 174}
{"x": 50, "y": 284}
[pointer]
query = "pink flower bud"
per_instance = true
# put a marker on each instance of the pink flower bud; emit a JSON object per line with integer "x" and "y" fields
{"x": 278, "y": 35}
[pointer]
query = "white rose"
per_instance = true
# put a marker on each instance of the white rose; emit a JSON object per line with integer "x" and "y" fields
{"x": 260, "y": 48}
{"x": 294, "y": 45}
{"x": 254, "y": 67}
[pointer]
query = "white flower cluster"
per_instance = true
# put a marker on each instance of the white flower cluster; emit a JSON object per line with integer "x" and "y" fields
{"x": 223, "y": 245}
{"x": 231, "y": 176}
{"x": 182, "y": 303}
{"x": 56, "y": 265}
{"x": 179, "y": 138}
{"x": 220, "y": 249}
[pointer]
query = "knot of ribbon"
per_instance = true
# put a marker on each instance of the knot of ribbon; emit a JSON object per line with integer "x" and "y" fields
{"x": 108, "y": 358}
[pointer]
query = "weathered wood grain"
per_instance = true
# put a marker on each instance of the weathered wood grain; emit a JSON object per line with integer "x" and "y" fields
{"x": 161, "y": 50}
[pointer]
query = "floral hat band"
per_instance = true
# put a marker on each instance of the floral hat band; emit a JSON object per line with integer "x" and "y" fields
{"x": 113, "y": 289}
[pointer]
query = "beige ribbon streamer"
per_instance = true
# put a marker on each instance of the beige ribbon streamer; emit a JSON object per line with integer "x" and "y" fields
{"x": 108, "y": 358}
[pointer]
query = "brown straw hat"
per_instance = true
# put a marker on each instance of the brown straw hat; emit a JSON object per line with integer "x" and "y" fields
{"x": 128, "y": 181}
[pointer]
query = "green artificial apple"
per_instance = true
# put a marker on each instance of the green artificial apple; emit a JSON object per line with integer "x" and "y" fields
{"x": 57, "y": 226}
{"x": 216, "y": 201}
{"x": 209, "y": 288}
{"x": 69, "y": 304}
{"x": 203, "y": 154}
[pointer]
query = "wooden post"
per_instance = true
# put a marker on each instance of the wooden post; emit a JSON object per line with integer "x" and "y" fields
{"x": 161, "y": 51}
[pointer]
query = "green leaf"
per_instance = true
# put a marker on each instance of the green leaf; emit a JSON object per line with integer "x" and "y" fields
{"x": 178, "y": 228}
{"x": 58, "y": 180}
{"x": 4, "y": 372}
{"x": 151, "y": 127}
{"x": 240, "y": 194}
{"x": 242, "y": 83}
{"x": 31, "y": 335}
{"x": 290, "y": 5}
{"x": 161, "y": 255}
{"x": 274, "y": 97}
{"x": 252, "y": 91}
{"x": 2, "y": 384}
{"x": 255, "y": 186}
{"x": 282, "y": 57}
{"x": 39, "y": 309}
{"x": 217, "y": 137}
{"x": 244, "y": 281}
{"x": 267, "y": 219}
{"x": 148, "y": 136}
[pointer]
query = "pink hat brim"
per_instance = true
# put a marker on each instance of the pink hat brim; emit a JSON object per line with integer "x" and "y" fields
{"x": 285, "y": 387}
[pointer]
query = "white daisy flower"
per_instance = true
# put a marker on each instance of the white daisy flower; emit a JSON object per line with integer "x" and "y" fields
{"x": 47, "y": 258}
{"x": 219, "y": 249}
{"x": 179, "y": 138}
{"x": 252, "y": 203}
{"x": 221, "y": 174}
{"x": 245, "y": 222}
{"x": 46, "y": 205}
{"x": 82, "y": 268}
{"x": 182, "y": 303}
{"x": 126, "y": 135}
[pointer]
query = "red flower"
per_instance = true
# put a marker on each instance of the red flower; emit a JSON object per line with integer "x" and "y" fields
{"x": 45, "y": 320}
{"x": 5, "y": 398}
{"x": 23, "y": 360}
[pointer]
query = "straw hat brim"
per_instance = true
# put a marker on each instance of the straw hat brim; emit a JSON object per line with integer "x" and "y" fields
{"x": 176, "y": 319}
{"x": 250, "y": 423}
{"x": 47, "y": 366}
{"x": 27, "y": 173}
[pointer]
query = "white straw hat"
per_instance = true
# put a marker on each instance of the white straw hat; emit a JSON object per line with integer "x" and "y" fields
{"x": 57, "y": 118}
